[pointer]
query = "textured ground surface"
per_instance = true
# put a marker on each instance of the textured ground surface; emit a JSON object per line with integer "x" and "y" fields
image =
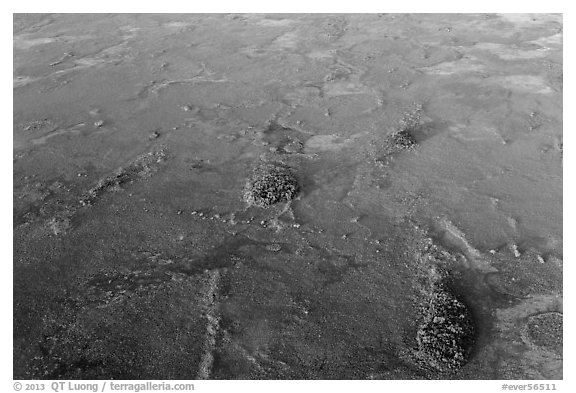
{"x": 414, "y": 232}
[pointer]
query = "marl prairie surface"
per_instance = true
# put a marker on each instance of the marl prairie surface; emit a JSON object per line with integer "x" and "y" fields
{"x": 288, "y": 196}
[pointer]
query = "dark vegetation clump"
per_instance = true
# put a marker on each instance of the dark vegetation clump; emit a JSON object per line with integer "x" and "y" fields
{"x": 404, "y": 136}
{"x": 403, "y": 139}
{"x": 271, "y": 184}
{"x": 446, "y": 335}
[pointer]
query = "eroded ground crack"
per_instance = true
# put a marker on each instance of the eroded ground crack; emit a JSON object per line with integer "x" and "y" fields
{"x": 211, "y": 303}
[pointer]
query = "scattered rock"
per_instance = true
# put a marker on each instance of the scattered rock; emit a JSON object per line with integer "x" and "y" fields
{"x": 274, "y": 247}
{"x": 38, "y": 125}
{"x": 107, "y": 286}
{"x": 271, "y": 184}
{"x": 515, "y": 251}
{"x": 294, "y": 146}
{"x": 59, "y": 225}
{"x": 523, "y": 274}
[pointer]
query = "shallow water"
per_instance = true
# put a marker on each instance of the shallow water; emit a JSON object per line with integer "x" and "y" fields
{"x": 134, "y": 136}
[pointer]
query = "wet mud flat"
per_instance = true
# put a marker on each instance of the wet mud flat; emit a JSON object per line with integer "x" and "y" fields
{"x": 372, "y": 196}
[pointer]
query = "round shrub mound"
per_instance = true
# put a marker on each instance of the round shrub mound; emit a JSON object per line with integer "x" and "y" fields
{"x": 271, "y": 184}
{"x": 446, "y": 334}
